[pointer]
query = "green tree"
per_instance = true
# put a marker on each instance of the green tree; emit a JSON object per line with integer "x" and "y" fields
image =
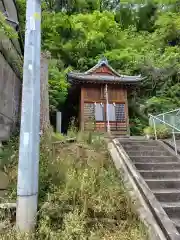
{"x": 136, "y": 37}
{"x": 58, "y": 87}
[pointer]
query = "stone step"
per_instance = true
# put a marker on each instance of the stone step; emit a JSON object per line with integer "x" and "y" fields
{"x": 142, "y": 148}
{"x": 176, "y": 222}
{"x": 164, "y": 195}
{"x": 161, "y": 171}
{"x": 139, "y": 143}
{"x": 158, "y": 174}
{"x": 123, "y": 132}
{"x": 163, "y": 183}
{"x": 158, "y": 166}
{"x": 154, "y": 159}
{"x": 149, "y": 153}
{"x": 172, "y": 209}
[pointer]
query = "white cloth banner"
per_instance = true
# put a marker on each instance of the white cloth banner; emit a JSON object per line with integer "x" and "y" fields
{"x": 99, "y": 112}
{"x": 112, "y": 112}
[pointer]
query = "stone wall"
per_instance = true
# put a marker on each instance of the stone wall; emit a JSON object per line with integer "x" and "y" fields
{"x": 10, "y": 92}
{"x": 10, "y": 83}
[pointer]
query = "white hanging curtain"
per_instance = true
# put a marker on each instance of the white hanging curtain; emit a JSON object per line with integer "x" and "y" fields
{"x": 112, "y": 112}
{"x": 99, "y": 112}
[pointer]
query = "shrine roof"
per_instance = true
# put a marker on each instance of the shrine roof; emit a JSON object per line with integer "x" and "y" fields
{"x": 99, "y": 77}
{"x": 103, "y": 72}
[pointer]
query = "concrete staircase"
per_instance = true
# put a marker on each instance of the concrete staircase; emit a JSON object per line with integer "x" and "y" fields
{"x": 160, "y": 168}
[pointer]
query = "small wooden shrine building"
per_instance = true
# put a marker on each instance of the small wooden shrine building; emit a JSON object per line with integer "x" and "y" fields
{"x": 103, "y": 98}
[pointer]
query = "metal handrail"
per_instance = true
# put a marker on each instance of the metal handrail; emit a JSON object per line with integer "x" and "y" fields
{"x": 164, "y": 122}
{"x": 169, "y": 125}
{"x": 175, "y": 110}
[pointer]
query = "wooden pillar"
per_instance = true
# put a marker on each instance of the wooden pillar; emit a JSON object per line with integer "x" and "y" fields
{"x": 127, "y": 111}
{"x": 107, "y": 109}
{"x": 82, "y": 110}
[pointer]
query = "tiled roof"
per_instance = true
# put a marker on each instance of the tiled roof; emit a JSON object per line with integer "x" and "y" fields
{"x": 91, "y": 77}
{"x": 109, "y": 78}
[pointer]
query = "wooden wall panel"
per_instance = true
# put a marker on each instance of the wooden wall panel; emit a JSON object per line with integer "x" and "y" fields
{"x": 93, "y": 94}
{"x": 117, "y": 94}
{"x": 96, "y": 93}
{"x": 101, "y": 126}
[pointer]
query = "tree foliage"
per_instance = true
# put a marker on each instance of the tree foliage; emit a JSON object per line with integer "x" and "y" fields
{"x": 6, "y": 29}
{"x": 136, "y": 37}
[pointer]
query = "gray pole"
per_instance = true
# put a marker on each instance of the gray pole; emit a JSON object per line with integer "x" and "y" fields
{"x": 27, "y": 189}
{"x": 58, "y": 122}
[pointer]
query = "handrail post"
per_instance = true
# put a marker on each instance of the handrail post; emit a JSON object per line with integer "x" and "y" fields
{"x": 155, "y": 132}
{"x": 174, "y": 139}
{"x": 163, "y": 117}
{"x": 167, "y": 124}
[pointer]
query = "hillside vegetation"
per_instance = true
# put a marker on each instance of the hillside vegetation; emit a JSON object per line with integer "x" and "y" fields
{"x": 137, "y": 37}
{"x": 81, "y": 196}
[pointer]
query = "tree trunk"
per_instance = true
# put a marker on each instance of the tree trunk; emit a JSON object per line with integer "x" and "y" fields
{"x": 44, "y": 117}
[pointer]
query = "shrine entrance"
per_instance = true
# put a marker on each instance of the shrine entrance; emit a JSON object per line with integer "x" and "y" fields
{"x": 103, "y": 99}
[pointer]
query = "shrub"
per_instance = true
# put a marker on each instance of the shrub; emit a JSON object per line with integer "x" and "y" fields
{"x": 57, "y": 137}
{"x": 149, "y": 131}
{"x": 161, "y": 130}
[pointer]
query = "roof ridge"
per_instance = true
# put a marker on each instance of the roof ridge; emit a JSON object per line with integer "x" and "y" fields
{"x": 102, "y": 61}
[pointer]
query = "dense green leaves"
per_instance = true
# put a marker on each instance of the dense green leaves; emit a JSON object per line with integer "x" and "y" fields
{"x": 136, "y": 37}
{"x": 57, "y": 85}
{"x": 5, "y": 29}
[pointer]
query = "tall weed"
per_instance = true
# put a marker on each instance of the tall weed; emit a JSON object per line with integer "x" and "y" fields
{"x": 81, "y": 196}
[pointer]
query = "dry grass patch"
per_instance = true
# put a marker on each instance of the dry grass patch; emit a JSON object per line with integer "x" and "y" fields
{"x": 81, "y": 196}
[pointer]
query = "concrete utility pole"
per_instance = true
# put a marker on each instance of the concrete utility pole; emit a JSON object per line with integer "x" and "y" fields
{"x": 27, "y": 189}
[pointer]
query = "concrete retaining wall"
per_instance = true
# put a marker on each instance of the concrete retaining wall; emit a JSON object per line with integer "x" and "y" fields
{"x": 10, "y": 88}
{"x": 10, "y": 83}
{"x": 10, "y": 92}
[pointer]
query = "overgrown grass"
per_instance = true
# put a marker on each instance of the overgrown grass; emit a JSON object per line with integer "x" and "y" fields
{"x": 8, "y": 165}
{"x": 81, "y": 196}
